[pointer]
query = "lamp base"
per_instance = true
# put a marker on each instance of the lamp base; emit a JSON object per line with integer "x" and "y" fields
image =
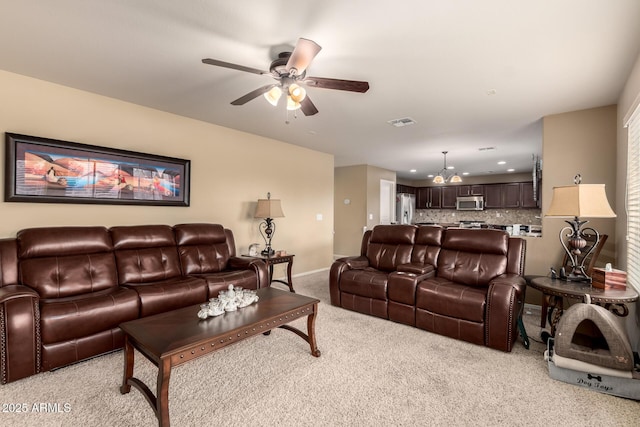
{"x": 574, "y": 277}
{"x": 267, "y": 252}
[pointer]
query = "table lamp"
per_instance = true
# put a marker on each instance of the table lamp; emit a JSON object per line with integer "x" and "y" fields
{"x": 268, "y": 209}
{"x": 579, "y": 200}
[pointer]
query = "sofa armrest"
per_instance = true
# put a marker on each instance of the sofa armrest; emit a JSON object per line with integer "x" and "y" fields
{"x": 250, "y": 263}
{"x": 19, "y": 333}
{"x": 418, "y": 269}
{"x": 337, "y": 268}
{"x": 355, "y": 262}
{"x": 505, "y": 302}
{"x": 8, "y": 293}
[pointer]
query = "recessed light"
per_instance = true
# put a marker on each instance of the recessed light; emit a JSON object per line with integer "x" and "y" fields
{"x": 502, "y": 162}
{"x": 413, "y": 171}
{"x": 429, "y": 176}
{"x": 450, "y": 167}
{"x": 465, "y": 173}
{"x": 491, "y": 92}
{"x": 510, "y": 170}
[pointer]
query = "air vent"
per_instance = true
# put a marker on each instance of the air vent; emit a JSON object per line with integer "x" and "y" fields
{"x": 405, "y": 121}
{"x": 486, "y": 148}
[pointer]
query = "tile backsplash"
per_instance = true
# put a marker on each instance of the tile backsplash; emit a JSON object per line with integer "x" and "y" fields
{"x": 489, "y": 216}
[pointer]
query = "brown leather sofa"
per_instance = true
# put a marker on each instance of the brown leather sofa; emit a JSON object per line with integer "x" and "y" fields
{"x": 463, "y": 283}
{"x": 65, "y": 290}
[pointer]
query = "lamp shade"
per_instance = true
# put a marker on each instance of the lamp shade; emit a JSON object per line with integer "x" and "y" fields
{"x": 273, "y": 95}
{"x": 580, "y": 200}
{"x": 269, "y": 208}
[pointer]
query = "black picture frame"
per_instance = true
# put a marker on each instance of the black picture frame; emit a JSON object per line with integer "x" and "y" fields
{"x": 42, "y": 170}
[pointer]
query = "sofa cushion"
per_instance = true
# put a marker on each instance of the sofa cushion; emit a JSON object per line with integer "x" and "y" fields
{"x": 427, "y": 244}
{"x": 441, "y": 296}
{"x": 202, "y": 248}
{"x": 61, "y": 262}
{"x": 170, "y": 294}
{"x": 145, "y": 253}
{"x": 64, "y": 319}
{"x": 390, "y": 246}
{"x": 217, "y": 282}
{"x": 473, "y": 257}
{"x": 369, "y": 283}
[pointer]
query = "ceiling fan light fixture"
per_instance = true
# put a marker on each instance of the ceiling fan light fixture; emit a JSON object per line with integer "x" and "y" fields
{"x": 297, "y": 93}
{"x": 273, "y": 96}
{"x": 292, "y": 105}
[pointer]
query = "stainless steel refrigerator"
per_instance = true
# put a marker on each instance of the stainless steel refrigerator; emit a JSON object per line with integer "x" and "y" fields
{"x": 405, "y": 208}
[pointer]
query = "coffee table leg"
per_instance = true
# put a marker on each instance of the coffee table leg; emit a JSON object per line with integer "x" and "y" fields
{"x": 311, "y": 331}
{"x": 128, "y": 366}
{"x": 162, "y": 395}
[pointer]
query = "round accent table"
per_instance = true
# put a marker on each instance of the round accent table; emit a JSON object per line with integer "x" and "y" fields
{"x": 614, "y": 300}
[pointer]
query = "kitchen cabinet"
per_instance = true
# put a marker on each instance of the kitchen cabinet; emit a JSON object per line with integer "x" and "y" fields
{"x": 470, "y": 190}
{"x": 526, "y": 196}
{"x": 429, "y": 198}
{"x": 449, "y": 197}
{"x": 511, "y": 195}
{"x": 493, "y": 196}
{"x": 401, "y": 188}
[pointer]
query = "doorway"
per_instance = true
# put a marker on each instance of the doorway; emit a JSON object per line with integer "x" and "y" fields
{"x": 387, "y": 201}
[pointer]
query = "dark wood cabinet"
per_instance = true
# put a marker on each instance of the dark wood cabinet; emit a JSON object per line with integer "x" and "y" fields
{"x": 471, "y": 190}
{"x": 429, "y": 198}
{"x": 401, "y": 188}
{"x": 493, "y": 196}
{"x": 527, "y": 199}
{"x": 422, "y": 198}
{"x": 511, "y": 195}
{"x": 449, "y": 196}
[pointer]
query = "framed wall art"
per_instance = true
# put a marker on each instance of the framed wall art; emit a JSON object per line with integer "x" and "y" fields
{"x": 52, "y": 171}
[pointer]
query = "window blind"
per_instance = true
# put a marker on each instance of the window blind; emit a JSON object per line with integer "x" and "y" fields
{"x": 633, "y": 200}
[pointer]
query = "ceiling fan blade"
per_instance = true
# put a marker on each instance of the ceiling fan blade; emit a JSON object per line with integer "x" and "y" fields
{"x": 233, "y": 66}
{"x": 254, "y": 94}
{"x": 307, "y": 107}
{"x": 302, "y": 55}
{"x": 325, "y": 83}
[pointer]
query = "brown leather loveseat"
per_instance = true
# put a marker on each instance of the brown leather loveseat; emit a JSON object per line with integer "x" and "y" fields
{"x": 467, "y": 284}
{"x": 65, "y": 290}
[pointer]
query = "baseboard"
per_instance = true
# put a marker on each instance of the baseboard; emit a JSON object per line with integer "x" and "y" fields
{"x": 528, "y": 308}
{"x": 306, "y": 273}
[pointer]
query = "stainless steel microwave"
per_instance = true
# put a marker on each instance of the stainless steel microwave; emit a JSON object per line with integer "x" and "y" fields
{"x": 470, "y": 203}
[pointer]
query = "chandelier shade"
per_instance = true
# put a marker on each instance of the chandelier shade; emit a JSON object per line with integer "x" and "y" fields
{"x": 444, "y": 176}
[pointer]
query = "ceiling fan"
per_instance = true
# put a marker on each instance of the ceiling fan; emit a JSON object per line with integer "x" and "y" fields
{"x": 289, "y": 69}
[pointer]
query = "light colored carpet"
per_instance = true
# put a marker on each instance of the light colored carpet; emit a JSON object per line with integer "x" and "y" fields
{"x": 371, "y": 372}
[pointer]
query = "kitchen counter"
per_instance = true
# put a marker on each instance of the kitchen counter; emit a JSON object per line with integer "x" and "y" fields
{"x": 526, "y": 230}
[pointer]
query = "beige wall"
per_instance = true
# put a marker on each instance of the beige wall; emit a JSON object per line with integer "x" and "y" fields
{"x": 349, "y": 218}
{"x": 228, "y": 169}
{"x": 576, "y": 142}
{"x": 361, "y": 185}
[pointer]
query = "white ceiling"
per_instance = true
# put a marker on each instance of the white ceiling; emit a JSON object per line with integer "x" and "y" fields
{"x": 472, "y": 74}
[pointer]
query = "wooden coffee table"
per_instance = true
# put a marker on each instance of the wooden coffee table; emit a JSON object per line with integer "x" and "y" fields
{"x": 173, "y": 338}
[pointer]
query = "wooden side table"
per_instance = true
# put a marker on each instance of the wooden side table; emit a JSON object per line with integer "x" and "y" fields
{"x": 614, "y": 300}
{"x": 279, "y": 259}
